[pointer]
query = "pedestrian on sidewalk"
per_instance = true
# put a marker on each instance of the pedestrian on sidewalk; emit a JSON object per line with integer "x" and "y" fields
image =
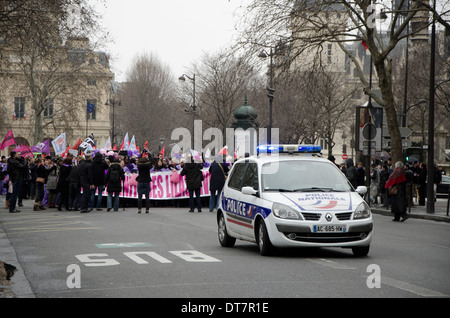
{"x": 422, "y": 184}
{"x": 396, "y": 186}
{"x": 143, "y": 186}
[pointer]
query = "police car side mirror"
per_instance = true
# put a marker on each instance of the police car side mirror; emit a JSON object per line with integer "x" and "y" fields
{"x": 249, "y": 191}
{"x": 361, "y": 190}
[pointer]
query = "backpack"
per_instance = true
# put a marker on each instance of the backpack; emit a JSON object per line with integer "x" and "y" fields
{"x": 114, "y": 176}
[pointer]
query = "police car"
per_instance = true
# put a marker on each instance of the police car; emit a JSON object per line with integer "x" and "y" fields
{"x": 288, "y": 196}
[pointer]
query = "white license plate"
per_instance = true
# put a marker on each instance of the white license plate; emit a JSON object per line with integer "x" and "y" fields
{"x": 330, "y": 228}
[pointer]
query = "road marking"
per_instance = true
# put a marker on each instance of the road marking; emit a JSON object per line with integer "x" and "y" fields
{"x": 328, "y": 263}
{"x": 120, "y": 245}
{"x": 418, "y": 290}
{"x": 40, "y": 224}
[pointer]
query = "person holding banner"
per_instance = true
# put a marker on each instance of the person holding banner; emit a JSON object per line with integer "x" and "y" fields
{"x": 114, "y": 178}
{"x": 143, "y": 186}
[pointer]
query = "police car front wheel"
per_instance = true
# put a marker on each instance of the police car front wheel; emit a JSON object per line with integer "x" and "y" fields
{"x": 265, "y": 246}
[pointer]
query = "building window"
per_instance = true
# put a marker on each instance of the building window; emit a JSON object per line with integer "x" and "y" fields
{"x": 93, "y": 114}
{"x": 91, "y": 82}
{"x": 19, "y": 107}
{"x": 49, "y": 110}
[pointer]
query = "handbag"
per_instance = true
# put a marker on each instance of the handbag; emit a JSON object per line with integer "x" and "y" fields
{"x": 393, "y": 190}
{"x": 40, "y": 180}
{"x": 224, "y": 175}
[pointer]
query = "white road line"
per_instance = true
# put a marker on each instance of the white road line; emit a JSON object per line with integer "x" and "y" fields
{"x": 421, "y": 291}
{"x": 328, "y": 263}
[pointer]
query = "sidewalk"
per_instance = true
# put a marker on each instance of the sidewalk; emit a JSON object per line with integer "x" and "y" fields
{"x": 420, "y": 212}
{"x": 18, "y": 286}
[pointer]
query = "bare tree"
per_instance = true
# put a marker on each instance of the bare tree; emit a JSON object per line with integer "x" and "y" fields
{"x": 149, "y": 101}
{"x": 305, "y": 25}
{"x": 222, "y": 83}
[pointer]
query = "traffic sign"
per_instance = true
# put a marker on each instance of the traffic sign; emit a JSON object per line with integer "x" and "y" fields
{"x": 344, "y": 156}
{"x": 405, "y": 132}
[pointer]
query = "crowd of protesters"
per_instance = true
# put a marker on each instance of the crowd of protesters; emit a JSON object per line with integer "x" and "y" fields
{"x": 395, "y": 184}
{"x": 76, "y": 183}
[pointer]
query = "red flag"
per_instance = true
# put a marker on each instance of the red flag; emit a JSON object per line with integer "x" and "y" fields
{"x": 162, "y": 151}
{"x": 364, "y": 44}
{"x": 9, "y": 140}
{"x": 115, "y": 147}
{"x": 77, "y": 144}
{"x": 121, "y": 145}
{"x": 146, "y": 145}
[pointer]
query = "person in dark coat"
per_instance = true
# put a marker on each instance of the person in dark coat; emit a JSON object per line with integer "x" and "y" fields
{"x": 422, "y": 183}
{"x": 398, "y": 203}
{"x": 74, "y": 186}
{"x": 384, "y": 177}
{"x": 63, "y": 183}
{"x": 114, "y": 178}
{"x": 194, "y": 177}
{"x": 15, "y": 171}
{"x": 143, "y": 187}
{"x": 85, "y": 167}
{"x": 41, "y": 176}
{"x": 218, "y": 172}
{"x": 99, "y": 167}
{"x": 350, "y": 171}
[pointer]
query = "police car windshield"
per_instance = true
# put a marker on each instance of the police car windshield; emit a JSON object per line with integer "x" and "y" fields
{"x": 303, "y": 176}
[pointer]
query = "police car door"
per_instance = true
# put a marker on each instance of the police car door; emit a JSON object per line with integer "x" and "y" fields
{"x": 247, "y": 207}
{"x": 232, "y": 197}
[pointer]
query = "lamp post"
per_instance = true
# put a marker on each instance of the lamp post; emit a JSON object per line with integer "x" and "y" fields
{"x": 263, "y": 54}
{"x": 113, "y": 102}
{"x": 430, "y": 173}
{"x": 193, "y": 107}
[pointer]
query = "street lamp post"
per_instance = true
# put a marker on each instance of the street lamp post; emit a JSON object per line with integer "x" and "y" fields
{"x": 263, "y": 54}
{"x": 193, "y": 107}
{"x": 113, "y": 102}
{"x": 430, "y": 173}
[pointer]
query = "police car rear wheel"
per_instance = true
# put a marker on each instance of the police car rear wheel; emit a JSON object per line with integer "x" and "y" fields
{"x": 265, "y": 246}
{"x": 224, "y": 239}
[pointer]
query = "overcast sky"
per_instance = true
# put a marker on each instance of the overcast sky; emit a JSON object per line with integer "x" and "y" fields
{"x": 177, "y": 31}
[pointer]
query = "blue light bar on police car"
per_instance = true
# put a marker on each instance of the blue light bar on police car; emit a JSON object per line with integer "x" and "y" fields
{"x": 288, "y": 149}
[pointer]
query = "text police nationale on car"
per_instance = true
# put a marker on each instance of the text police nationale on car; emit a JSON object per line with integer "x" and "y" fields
{"x": 288, "y": 196}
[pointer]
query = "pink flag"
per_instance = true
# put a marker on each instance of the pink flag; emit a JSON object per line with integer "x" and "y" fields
{"x": 9, "y": 140}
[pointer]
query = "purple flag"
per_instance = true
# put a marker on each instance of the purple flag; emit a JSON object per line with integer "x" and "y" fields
{"x": 43, "y": 147}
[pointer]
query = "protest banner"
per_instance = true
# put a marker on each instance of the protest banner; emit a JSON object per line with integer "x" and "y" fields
{"x": 162, "y": 188}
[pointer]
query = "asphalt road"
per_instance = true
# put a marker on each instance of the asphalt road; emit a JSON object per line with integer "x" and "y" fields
{"x": 172, "y": 253}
